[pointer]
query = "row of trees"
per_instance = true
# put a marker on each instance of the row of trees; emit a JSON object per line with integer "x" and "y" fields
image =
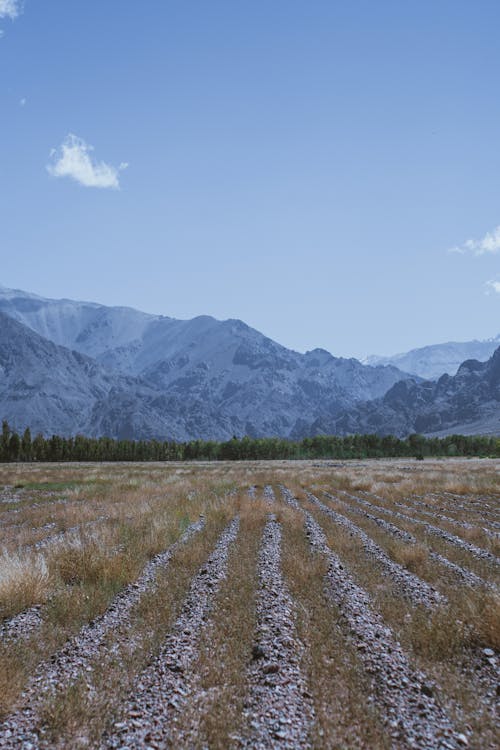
{"x": 14, "y": 447}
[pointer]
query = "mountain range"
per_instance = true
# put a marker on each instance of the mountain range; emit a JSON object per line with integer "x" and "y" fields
{"x": 430, "y": 362}
{"x": 467, "y": 403}
{"x": 71, "y": 367}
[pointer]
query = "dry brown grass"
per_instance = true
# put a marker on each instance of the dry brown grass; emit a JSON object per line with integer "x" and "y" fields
{"x": 85, "y": 572}
{"x": 226, "y": 646}
{"x": 414, "y": 557}
{"x": 344, "y": 716}
{"x": 78, "y": 717}
{"x": 146, "y": 507}
{"x": 24, "y": 582}
{"x": 427, "y": 541}
{"x": 445, "y": 643}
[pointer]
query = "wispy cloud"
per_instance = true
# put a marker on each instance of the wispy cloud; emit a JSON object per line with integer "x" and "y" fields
{"x": 10, "y": 8}
{"x": 73, "y": 159}
{"x": 490, "y": 243}
{"x": 493, "y": 286}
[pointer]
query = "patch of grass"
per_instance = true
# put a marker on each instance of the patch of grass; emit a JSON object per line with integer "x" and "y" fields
{"x": 226, "y": 645}
{"x": 344, "y": 716}
{"x": 80, "y": 716}
{"x": 24, "y": 582}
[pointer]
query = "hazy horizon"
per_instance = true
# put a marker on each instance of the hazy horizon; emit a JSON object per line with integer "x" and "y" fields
{"x": 325, "y": 172}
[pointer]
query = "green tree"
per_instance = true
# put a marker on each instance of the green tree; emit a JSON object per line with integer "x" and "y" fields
{"x": 26, "y": 445}
{"x": 14, "y": 447}
{"x": 4, "y": 441}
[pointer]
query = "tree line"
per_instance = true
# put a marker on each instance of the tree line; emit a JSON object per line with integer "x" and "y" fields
{"x": 15, "y": 447}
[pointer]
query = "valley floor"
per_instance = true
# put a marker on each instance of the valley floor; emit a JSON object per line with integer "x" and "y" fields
{"x": 306, "y": 604}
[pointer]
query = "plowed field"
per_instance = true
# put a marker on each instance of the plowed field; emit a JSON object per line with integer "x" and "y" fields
{"x": 278, "y": 604}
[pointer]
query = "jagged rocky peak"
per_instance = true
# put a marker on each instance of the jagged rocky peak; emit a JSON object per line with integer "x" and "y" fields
{"x": 468, "y": 403}
{"x": 318, "y": 357}
{"x": 184, "y": 378}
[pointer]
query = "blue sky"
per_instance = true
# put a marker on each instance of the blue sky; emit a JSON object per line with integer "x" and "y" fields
{"x": 304, "y": 166}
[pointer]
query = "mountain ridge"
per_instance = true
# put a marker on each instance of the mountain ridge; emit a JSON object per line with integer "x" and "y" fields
{"x": 187, "y": 379}
{"x": 468, "y": 403}
{"x": 434, "y": 360}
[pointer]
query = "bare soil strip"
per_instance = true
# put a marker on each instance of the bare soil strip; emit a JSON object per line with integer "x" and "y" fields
{"x": 447, "y": 519}
{"x": 412, "y": 714}
{"x": 21, "y": 626}
{"x": 279, "y": 709}
{"x": 345, "y": 715}
{"x": 467, "y": 576}
{"x": 414, "y": 588}
{"x": 472, "y": 549}
{"x": 467, "y": 671}
{"x": 162, "y": 690}
{"x": 483, "y": 510}
{"x": 77, "y": 654}
{"x": 269, "y": 494}
{"x": 213, "y": 718}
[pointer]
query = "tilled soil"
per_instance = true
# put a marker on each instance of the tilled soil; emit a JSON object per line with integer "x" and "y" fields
{"x": 467, "y": 576}
{"x": 21, "y": 626}
{"x": 279, "y": 711}
{"x": 413, "y": 716}
{"x": 482, "y": 669}
{"x": 153, "y": 710}
{"x": 456, "y": 541}
{"x": 70, "y": 662}
{"x": 451, "y": 504}
{"x": 417, "y": 591}
{"x": 408, "y": 708}
{"x": 448, "y": 519}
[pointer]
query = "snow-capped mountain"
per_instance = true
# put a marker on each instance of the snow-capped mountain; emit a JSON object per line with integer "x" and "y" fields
{"x": 430, "y": 362}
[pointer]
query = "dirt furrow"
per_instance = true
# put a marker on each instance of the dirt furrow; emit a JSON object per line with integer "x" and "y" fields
{"x": 269, "y": 494}
{"x": 163, "y": 688}
{"x": 476, "y": 552}
{"x": 71, "y": 661}
{"x": 279, "y": 709}
{"x": 405, "y": 697}
{"x": 467, "y": 576}
{"x": 447, "y": 519}
{"x": 422, "y": 501}
{"x": 417, "y": 591}
{"x": 475, "y": 503}
{"x": 21, "y": 626}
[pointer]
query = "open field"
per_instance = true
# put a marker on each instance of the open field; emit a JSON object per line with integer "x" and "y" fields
{"x": 321, "y": 604}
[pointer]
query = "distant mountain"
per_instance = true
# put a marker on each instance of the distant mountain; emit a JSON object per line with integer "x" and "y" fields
{"x": 430, "y": 362}
{"x": 167, "y": 378}
{"x": 466, "y": 403}
{"x": 44, "y": 386}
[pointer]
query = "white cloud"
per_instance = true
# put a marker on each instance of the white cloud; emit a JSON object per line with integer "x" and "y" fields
{"x": 490, "y": 243}
{"x": 492, "y": 286}
{"x": 22, "y": 102}
{"x": 73, "y": 159}
{"x": 10, "y": 8}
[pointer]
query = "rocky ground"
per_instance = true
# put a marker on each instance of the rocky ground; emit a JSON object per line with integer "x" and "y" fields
{"x": 130, "y": 677}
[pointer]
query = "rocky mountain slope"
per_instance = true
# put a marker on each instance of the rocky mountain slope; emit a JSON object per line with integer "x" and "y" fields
{"x": 44, "y": 386}
{"x": 167, "y": 378}
{"x": 430, "y": 362}
{"x": 466, "y": 403}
